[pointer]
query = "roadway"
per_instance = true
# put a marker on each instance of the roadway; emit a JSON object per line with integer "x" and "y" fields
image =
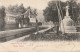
{"x": 19, "y": 45}
{"x": 28, "y": 36}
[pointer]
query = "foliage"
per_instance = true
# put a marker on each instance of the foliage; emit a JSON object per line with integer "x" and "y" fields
{"x": 33, "y": 12}
{"x": 16, "y": 9}
{"x": 74, "y": 10}
{"x": 2, "y": 12}
{"x": 51, "y": 12}
{"x": 2, "y": 18}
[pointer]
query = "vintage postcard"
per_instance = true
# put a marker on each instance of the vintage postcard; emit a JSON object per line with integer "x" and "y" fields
{"x": 39, "y": 25}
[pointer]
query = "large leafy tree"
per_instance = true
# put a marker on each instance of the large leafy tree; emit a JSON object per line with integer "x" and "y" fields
{"x": 2, "y": 18}
{"x": 74, "y": 10}
{"x": 16, "y": 9}
{"x": 51, "y": 12}
{"x": 31, "y": 12}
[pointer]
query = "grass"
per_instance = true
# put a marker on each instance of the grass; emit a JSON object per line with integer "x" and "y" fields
{"x": 53, "y": 37}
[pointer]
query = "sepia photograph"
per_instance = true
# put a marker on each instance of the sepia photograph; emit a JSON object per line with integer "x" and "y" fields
{"x": 39, "y": 25}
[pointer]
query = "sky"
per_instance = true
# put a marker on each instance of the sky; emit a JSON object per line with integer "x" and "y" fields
{"x": 38, "y": 4}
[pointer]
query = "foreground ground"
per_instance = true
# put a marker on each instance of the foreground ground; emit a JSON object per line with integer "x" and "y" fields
{"x": 44, "y": 42}
{"x": 40, "y": 46}
{"x": 49, "y": 35}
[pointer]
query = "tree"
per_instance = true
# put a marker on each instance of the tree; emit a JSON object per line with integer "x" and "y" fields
{"x": 74, "y": 10}
{"x": 51, "y": 14}
{"x": 35, "y": 14}
{"x": 51, "y": 11}
{"x": 16, "y": 9}
{"x": 2, "y": 18}
{"x": 29, "y": 12}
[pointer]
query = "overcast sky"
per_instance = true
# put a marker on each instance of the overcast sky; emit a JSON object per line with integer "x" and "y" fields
{"x": 38, "y": 4}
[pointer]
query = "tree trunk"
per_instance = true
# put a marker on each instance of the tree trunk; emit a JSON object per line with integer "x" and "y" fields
{"x": 37, "y": 29}
{"x": 57, "y": 29}
{"x": 2, "y": 24}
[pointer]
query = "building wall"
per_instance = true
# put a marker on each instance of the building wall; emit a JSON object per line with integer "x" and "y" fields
{"x": 10, "y": 20}
{"x": 10, "y": 23}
